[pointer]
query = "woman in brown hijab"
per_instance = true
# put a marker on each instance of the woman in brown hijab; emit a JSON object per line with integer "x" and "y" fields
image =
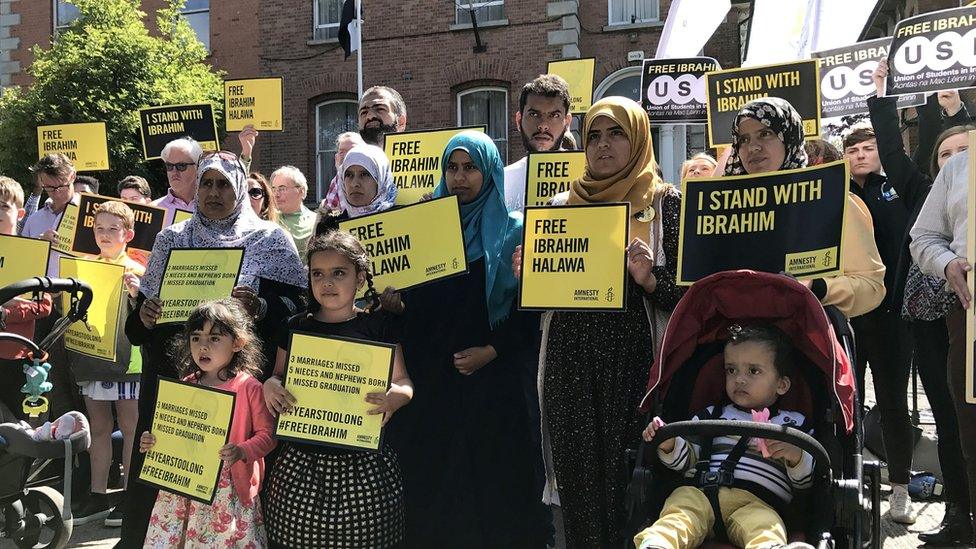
{"x": 594, "y": 366}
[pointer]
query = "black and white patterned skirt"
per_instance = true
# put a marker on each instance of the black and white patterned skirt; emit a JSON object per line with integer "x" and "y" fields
{"x": 337, "y": 501}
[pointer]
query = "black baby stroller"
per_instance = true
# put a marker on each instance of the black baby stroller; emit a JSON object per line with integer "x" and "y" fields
{"x": 34, "y": 513}
{"x": 841, "y": 509}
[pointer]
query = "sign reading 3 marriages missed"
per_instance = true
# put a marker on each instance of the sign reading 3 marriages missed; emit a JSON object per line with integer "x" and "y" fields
{"x": 728, "y": 91}
{"x": 933, "y": 51}
{"x": 160, "y": 125}
{"x": 846, "y": 78}
{"x": 574, "y": 257}
{"x": 789, "y": 221}
{"x": 673, "y": 90}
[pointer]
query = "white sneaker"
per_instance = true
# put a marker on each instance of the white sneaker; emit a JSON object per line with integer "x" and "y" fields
{"x": 900, "y": 505}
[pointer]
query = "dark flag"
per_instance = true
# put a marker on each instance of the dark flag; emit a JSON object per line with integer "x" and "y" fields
{"x": 349, "y": 28}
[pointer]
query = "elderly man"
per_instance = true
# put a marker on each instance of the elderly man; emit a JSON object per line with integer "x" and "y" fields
{"x": 381, "y": 111}
{"x": 290, "y": 187}
{"x": 180, "y": 158}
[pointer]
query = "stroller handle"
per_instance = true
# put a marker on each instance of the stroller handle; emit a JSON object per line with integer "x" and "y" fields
{"x": 711, "y": 428}
{"x": 52, "y": 285}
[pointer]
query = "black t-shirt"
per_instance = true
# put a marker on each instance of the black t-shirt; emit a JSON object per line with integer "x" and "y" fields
{"x": 379, "y": 326}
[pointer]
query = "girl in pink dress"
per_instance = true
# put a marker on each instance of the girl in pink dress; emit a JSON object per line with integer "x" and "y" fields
{"x": 221, "y": 351}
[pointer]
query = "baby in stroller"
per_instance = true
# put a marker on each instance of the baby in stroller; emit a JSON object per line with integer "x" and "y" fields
{"x": 762, "y": 473}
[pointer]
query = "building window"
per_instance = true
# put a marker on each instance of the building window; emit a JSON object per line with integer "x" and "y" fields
{"x": 197, "y": 14}
{"x": 332, "y": 118}
{"x": 326, "y": 16}
{"x": 64, "y": 14}
{"x": 626, "y": 12}
{"x": 484, "y": 11}
{"x": 486, "y": 107}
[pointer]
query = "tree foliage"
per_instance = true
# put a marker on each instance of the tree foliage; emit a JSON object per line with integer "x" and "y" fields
{"x": 105, "y": 67}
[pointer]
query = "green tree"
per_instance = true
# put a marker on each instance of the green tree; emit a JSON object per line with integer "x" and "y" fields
{"x": 105, "y": 67}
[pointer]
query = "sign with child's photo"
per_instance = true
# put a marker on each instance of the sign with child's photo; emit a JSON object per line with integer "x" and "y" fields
{"x": 933, "y": 52}
{"x": 22, "y": 258}
{"x": 191, "y": 424}
{"x": 195, "y": 275}
{"x": 414, "y": 245}
{"x": 575, "y": 257}
{"x": 148, "y": 222}
{"x": 791, "y": 221}
{"x": 98, "y": 336}
{"x": 330, "y": 378}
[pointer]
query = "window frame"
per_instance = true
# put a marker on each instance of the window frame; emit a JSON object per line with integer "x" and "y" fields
{"x": 184, "y": 12}
{"x": 476, "y": 5}
{"x": 612, "y": 23}
{"x": 321, "y": 186}
{"x": 58, "y": 29}
{"x": 316, "y": 26}
{"x": 504, "y": 91}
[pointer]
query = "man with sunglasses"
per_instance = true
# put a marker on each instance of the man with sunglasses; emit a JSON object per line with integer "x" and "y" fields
{"x": 180, "y": 158}
{"x": 55, "y": 175}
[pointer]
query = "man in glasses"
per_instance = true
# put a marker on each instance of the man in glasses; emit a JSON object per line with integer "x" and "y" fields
{"x": 381, "y": 111}
{"x": 290, "y": 187}
{"x": 180, "y": 158}
{"x": 55, "y": 175}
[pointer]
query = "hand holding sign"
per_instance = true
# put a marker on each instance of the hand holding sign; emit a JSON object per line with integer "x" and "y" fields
{"x": 276, "y": 397}
{"x": 247, "y": 137}
{"x": 150, "y": 311}
{"x": 231, "y": 453}
{"x": 640, "y": 262}
{"x": 880, "y": 76}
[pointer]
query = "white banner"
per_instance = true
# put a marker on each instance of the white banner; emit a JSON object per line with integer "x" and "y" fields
{"x": 689, "y": 25}
{"x": 789, "y": 30}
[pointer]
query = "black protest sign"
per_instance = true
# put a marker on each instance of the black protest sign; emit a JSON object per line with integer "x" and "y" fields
{"x": 160, "y": 125}
{"x": 934, "y": 51}
{"x": 846, "y": 78}
{"x": 728, "y": 91}
{"x": 673, "y": 90}
{"x": 148, "y": 223}
{"x": 779, "y": 221}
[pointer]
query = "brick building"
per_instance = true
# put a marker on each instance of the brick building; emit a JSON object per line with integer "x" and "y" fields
{"x": 423, "y": 48}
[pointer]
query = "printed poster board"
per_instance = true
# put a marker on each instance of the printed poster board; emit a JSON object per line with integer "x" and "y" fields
{"x": 550, "y": 173}
{"x": 22, "y": 258}
{"x": 66, "y": 230}
{"x": 148, "y": 222}
{"x": 578, "y": 73}
{"x": 98, "y": 335}
{"x": 85, "y": 144}
{"x": 415, "y": 160}
{"x": 933, "y": 52}
{"x": 256, "y": 101}
{"x": 194, "y": 275}
{"x": 673, "y": 90}
{"x": 160, "y": 125}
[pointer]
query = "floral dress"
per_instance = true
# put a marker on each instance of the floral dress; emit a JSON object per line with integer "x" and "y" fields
{"x": 188, "y": 524}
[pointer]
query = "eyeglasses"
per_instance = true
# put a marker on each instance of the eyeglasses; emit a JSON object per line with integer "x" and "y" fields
{"x": 50, "y": 190}
{"x": 256, "y": 193}
{"x": 282, "y": 188}
{"x": 178, "y": 166}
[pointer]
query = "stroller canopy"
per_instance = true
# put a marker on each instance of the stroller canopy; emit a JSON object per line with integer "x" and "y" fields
{"x": 712, "y": 304}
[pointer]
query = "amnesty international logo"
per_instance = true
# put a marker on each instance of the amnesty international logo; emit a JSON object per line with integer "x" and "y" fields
{"x": 610, "y": 294}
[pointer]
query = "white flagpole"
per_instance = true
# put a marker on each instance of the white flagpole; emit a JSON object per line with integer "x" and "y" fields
{"x": 359, "y": 53}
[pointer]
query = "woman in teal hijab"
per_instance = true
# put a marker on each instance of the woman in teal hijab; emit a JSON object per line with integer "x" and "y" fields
{"x": 465, "y": 448}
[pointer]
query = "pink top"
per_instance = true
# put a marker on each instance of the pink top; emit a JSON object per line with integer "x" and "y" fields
{"x": 172, "y": 203}
{"x": 251, "y": 429}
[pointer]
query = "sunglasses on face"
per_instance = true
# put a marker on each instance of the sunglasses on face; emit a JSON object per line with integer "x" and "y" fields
{"x": 255, "y": 193}
{"x": 178, "y": 166}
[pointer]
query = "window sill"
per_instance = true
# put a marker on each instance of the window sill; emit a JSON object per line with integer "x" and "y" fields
{"x": 481, "y": 25}
{"x": 633, "y": 26}
{"x": 322, "y": 42}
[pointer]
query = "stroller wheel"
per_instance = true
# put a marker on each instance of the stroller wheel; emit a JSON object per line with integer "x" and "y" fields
{"x": 44, "y": 527}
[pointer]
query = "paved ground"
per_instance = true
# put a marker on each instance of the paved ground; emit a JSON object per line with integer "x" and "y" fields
{"x": 895, "y": 536}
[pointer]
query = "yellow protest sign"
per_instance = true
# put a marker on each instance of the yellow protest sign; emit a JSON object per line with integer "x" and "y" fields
{"x": 578, "y": 73}
{"x": 256, "y": 101}
{"x": 66, "y": 229}
{"x": 550, "y": 173}
{"x": 181, "y": 215}
{"x": 86, "y": 145}
{"x": 194, "y": 275}
{"x": 329, "y": 378}
{"x": 574, "y": 257}
{"x": 415, "y": 160}
{"x": 191, "y": 423}
{"x": 22, "y": 258}
{"x": 98, "y": 336}
{"x": 413, "y": 245}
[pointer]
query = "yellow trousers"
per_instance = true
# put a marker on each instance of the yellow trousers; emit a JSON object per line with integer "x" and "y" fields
{"x": 687, "y": 519}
